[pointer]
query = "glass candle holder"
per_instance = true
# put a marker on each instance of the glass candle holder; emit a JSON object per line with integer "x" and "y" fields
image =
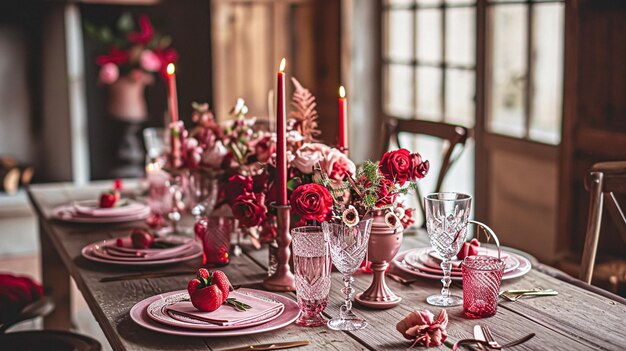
{"x": 482, "y": 276}
{"x": 215, "y": 233}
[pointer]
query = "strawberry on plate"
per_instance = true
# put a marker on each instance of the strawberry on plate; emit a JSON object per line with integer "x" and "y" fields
{"x": 108, "y": 199}
{"x": 210, "y": 290}
{"x": 141, "y": 238}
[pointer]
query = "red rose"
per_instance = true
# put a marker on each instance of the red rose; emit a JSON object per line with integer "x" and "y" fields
{"x": 312, "y": 202}
{"x": 259, "y": 182}
{"x": 419, "y": 168}
{"x": 383, "y": 193}
{"x": 396, "y": 166}
{"x": 145, "y": 34}
{"x": 264, "y": 148}
{"x": 250, "y": 209}
{"x": 237, "y": 185}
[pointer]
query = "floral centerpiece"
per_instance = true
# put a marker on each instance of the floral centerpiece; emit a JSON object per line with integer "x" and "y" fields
{"x": 133, "y": 49}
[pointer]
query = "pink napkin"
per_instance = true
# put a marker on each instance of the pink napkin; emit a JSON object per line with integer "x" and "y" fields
{"x": 227, "y": 314}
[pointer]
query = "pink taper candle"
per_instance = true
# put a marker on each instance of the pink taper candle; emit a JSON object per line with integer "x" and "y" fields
{"x": 343, "y": 120}
{"x": 281, "y": 142}
{"x": 172, "y": 94}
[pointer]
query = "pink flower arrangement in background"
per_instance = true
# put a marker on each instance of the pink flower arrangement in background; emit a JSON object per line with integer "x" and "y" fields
{"x": 131, "y": 51}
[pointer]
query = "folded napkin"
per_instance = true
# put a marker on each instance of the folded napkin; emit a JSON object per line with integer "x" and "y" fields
{"x": 226, "y": 314}
{"x": 15, "y": 293}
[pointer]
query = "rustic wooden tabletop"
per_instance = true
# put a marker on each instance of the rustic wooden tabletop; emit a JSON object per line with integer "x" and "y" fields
{"x": 576, "y": 319}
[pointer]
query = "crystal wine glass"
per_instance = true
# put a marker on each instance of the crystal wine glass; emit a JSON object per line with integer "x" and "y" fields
{"x": 347, "y": 248}
{"x": 447, "y": 215}
{"x": 311, "y": 258}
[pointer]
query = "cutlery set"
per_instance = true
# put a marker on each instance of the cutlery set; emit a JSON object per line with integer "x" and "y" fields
{"x": 514, "y": 295}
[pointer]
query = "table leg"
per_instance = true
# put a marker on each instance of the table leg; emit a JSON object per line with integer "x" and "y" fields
{"x": 56, "y": 284}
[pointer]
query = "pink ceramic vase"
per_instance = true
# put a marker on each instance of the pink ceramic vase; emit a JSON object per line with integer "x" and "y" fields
{"x": 127, "y": 100}
{"x": 383, "y": 245}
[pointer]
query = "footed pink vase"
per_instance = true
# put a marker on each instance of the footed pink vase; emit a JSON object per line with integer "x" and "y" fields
{"x": 383, "y": 245}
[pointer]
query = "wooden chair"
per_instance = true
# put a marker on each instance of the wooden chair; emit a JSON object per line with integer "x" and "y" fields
{"x": 455, "y": 137}
{"x": 42, "y": 339}
{"x": 604, "y": 179}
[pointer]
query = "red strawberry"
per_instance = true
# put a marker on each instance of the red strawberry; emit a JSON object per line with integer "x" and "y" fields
{"x": 108, "y": 199}
{"x": 203, "y": 273}
{"x": 207, "y": 299}
{"x": 141, "y": 238}
{"x": 119, "y": 242}
{"x": 117, "y": 184}
{"x": 219, "y": 278}
{"x": 192, "y": 286}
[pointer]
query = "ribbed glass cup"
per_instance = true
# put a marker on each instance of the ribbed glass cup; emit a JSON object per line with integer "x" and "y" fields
{"x": 482, "y": 276}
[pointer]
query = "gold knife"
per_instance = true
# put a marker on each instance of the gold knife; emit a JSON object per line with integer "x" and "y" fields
{"x": 274, "y": 346}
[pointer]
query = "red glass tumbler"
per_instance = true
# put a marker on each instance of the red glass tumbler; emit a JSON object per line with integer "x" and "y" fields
{"x": 215, "y": 233}
{"x": 481, "y": 284}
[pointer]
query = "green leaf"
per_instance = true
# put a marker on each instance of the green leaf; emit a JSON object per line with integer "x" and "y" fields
{"x": 125, "y": 23}
{"x": 165, "y": 42}
{"x": 293, "y": 183}
{"x": 106, "y": 35}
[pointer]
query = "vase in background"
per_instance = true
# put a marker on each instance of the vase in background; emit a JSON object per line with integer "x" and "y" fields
{"x": 384, "y": 243}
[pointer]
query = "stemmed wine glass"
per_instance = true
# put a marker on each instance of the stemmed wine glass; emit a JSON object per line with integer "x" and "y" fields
{"x": 447, "y": 215}
{"x": 347, "y": 248}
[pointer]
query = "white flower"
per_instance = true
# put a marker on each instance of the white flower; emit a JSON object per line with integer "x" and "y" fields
{"x": 308, "y": 155}
{"x": 392, "y": 220}
{"x": 350, "y": 216}
{"x": 214, "y": 157}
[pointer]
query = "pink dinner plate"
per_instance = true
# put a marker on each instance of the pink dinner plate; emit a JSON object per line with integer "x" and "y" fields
{"x": 186, "y": 246}
{"x": 399, "y": 261}
{"x": 68, "y": 213}
{"x": 194, "y": 251}
{"x": 139, "y": 314}
{"x": 91, "y": 208}
{"x": 422, "y": 259}
{"x": 158, "y": 312}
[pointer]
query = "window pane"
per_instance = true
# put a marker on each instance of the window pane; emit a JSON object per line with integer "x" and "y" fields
{"x": 399, "y": 90}
{"x": 460, "y": 2}
{"x": 508, "y": 69}
{"x": 428, "y": 92}
{"x": 398, "y": 2}
{"x": 460, "y": 35}
{"x": 429, "y": 35}
{"x": 399, "y": 36}
{"x": 460, "y": 97}
{"x": 545, "y": 123}
{"x": 428, "y": 2}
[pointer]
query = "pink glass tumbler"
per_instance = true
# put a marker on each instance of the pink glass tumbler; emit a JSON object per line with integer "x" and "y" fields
{"x": 215, "y": 233}
{"x": 481, "y": 285}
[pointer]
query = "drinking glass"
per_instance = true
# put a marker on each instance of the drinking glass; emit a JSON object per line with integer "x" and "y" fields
{"x": 311, "y": 258}
{"x": 481, "y": 284}
{"x": 446, "y": 222}
{"x": 348, "y": 246}
{"x": 202, "y": 191}
{"x": 215, "y": 232}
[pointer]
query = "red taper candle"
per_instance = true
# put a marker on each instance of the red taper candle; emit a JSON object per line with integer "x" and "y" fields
{"x": 172, "y": 94}
{"x": 281, "y": 142}
{"x": 343, "y": 120}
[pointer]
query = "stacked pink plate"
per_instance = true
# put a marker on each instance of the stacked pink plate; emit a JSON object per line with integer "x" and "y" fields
{"x": 424, "y": 262}
{"x": 173, "y": 313}
{"x": 173, "y": 249}
{"x": 90, "y": 212}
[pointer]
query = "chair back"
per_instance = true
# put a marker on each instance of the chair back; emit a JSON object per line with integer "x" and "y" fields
{"x": 455, "y": 137}
{"x": 604, "y": 180}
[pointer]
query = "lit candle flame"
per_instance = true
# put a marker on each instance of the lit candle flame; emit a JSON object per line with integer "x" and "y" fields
{"x": 342, "y": 92}
{"x": 171, "y": 69}
{"x": 283, "y": 62}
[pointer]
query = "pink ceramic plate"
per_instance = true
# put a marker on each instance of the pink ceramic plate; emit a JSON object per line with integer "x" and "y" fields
{"x": 421, "y": 259}
{"x": 186, "y": 246}
{"x": 68, "y": 213}
{"x": 92, "y": 208}
{"x": 139, "y": 314}
{"x": 457, "y": 263}
{"x": 157, "y": 312}
{"x": 195, "y": 251}
{"x": 399, "y": 261}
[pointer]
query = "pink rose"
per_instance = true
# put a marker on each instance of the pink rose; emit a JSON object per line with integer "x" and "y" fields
{"x": 308, "y": 155}
{"x": 264, "y": 147}
{"x": 149, "y": 61}
{"x": 337, "y": 165}
{"x": 421, "y": 327}
{"x": 109, "y": 73}
{"x": 214, "y": 156}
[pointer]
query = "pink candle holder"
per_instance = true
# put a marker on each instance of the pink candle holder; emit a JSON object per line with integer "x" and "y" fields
{"x": 482, "y": 276}
{"x": 215, "y": 233}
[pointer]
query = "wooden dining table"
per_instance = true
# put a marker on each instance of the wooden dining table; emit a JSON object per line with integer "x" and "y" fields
{"x": 576, "y": 319}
